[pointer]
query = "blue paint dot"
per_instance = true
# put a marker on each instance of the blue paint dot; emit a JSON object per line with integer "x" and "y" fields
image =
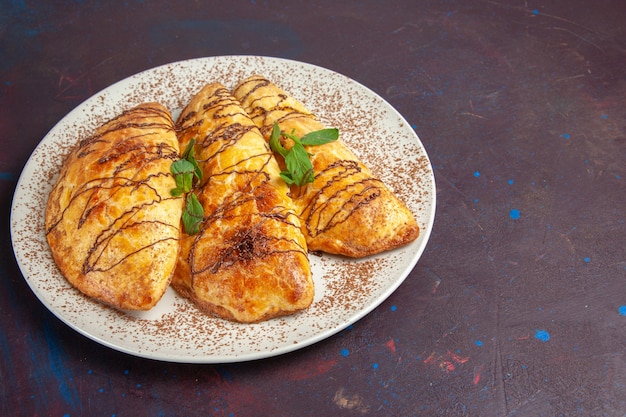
{"x": 565, "y": 135}
{"x": 622, "y": 310}
{"x": 414, "y": 126}
{"x": 345, "y": 352}
{"x": 510, "y": 182}
{"x": 479, "y": 343}
{"x": 587, "y": 260}
{"x": 89, "y": 372}
{"x": 138, "y": 385}
{"x": 535, "y": 11}
{"x": 542, "y": 335}
{"x": 126, "y": 371}
{"x": 604, "y": 116}
{"x": 394, "y": 308}
{"x": 101, "y": 390}
{"x": 476, "y": 174}
{"x": 375, "y": 366}
{"x": 514, "y": 213}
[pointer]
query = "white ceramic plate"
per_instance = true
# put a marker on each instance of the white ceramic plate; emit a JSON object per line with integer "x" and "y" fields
{"x": 346, "y": 290}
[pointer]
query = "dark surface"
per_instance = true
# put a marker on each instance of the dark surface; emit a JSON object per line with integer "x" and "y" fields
{"x": 518, "y": 305}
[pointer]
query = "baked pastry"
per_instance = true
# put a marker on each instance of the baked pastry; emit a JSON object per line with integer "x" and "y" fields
{"x": 248, "y": 262}
{"x": 346, "y": 210}
{"x": 111, "y": 223}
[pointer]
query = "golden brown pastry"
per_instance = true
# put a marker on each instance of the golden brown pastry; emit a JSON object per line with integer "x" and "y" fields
{"x": 111, "y": 223}
{"x": 249, "y": 260}
{"x": 346, "y": 210}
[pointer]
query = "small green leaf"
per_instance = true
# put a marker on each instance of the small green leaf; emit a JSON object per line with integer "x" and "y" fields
{"x": 183, "y": 175}
{"x": 189, "y": 151}
{"x": 193, "y": 214}
{"x": 190, "y": 155}
{"x": 275, "y": 144}
{"x": 297, "y": 159}
{"x": 286, "y": 176}
{"x": 184, "y": 171}
{"x": 320, "y": 137}
{"x": 182, "y": 166}
{"x": 299, "y": 164}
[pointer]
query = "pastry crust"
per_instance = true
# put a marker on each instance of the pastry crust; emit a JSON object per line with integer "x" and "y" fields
{"x": 346, "y": 210}
{"x": 249, "y": 260}
{"x": 111, "y": 223}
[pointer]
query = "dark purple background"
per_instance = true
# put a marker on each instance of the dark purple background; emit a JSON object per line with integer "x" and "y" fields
{"x": 518, "y": 305}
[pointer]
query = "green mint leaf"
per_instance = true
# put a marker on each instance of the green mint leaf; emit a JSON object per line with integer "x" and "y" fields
{"x": 320, "y": 137}
{"x": 183, "y": 172}
{"x": 196, "y": 170}
{"x": 297, "y": 159}
{"x": 189, "y": 151}
{"x": 286, "y": 176}
{"x": 299, "y": 165}
{"x": 190, "y": 155}
{"x": 182, "y": 166}
{"x": 193, "y": 214}
{"x": 275, "y": 144}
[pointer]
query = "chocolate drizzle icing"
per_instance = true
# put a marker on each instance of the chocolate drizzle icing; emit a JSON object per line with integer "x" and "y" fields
{"x": 123, "y": 173}
{"x": 341, "y": 186}
{"x": 258, "y": 221}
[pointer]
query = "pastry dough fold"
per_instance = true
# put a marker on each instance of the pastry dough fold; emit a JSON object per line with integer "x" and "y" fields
{"x": 111, "y": 223}
{"x": 346, "y": 210}
{"x": 249, "y": 260}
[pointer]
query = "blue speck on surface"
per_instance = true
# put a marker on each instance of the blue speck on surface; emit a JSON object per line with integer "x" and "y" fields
{"x": 479, "y": 343}
{"x": 565, "y": 135}
{"x": 510, "y": 181}
{"x": 535, "y": 11}
{"x": 542, "y": 335}
{"x": 604, "y": 116}
{"x": 514, "y": 214}
{"x": 345, "y": 352}
{"x": 587, "y": 260}
{"x": 7, "y": 176}
{"x": 477, "y": 174}
{"x": 375, "y": 366}
{"x": 622, "y": 310}
{"x": 394, "y": 308}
